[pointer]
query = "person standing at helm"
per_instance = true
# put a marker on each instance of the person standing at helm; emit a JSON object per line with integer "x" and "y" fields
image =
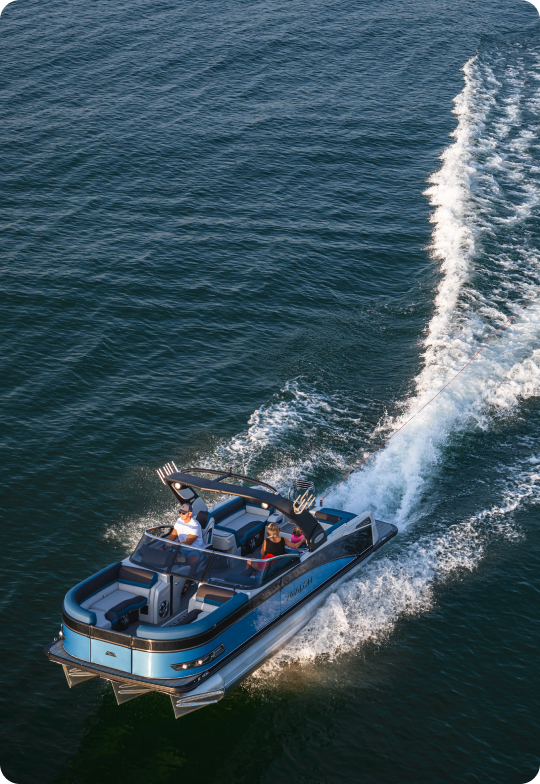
{"x": 187, "y": 530}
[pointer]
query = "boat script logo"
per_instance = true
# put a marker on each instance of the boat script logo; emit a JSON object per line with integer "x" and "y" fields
{"x": 300, "y": 588}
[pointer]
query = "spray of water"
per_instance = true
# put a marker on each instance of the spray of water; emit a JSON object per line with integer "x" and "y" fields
{"x": 476, "y": 294}
{"x": 482, "y": 196}
{"x": 366, "y": 607}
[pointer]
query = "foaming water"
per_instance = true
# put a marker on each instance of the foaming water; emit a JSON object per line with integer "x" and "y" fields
{"x": 294, "y": 413}
{"x": 128, "y": 532}
{"x": 366, "y": 606}
{"x": 276, "y": 446}
{"x": 300, "y": 431}
{"x": 483, "y": 195}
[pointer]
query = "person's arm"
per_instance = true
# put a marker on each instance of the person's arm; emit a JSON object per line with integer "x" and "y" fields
{"x": 190, "y": 539}
{"x": 263, "y": 548}
{"x": 294, "y": 546}
{"x": 173, "y": 535}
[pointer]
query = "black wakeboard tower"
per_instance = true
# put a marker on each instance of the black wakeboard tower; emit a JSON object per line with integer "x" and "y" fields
{"x": 179, "y": 481}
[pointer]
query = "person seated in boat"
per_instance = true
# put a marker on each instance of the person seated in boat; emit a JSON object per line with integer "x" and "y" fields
{"x": 274, "y": 544}
{"x": 297, "y": 537}
{"x": 187, "y": 530}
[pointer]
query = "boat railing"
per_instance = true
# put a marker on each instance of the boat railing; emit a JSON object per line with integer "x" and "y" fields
{"x": 155, "y": 551}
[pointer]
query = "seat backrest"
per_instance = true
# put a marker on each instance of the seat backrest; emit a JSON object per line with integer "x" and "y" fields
{"x": 228, "y": 509}
{"x": 208, "y": 533}
{"x": 209, "y": 598}
{"x": 95, "y": 583}
{"x": 214, "y": 593}
{"x": 136, "y": 576}
{"x": 83, "y": 591}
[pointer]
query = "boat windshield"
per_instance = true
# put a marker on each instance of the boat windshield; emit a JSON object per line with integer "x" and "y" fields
{"x": 209, "y": 566}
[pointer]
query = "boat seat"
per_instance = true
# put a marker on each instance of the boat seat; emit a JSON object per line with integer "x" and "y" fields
{"x": 209, "y": 597}
{"x": 113, "y": 603}
{"x": 250, "y": 531}
{"x": 132, "y": 582}
{"x": 189, "y": 618}
{"x": 123, "y": 608}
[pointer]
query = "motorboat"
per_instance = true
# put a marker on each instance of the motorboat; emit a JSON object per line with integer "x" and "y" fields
{"x": 193, "y": 623}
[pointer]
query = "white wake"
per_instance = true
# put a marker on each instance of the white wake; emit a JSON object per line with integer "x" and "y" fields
{"x": 492, "y": 153}
{"x": 482, "y": 195}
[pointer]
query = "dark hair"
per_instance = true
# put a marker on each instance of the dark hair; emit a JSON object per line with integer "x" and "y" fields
{"x": 297, "y": 531}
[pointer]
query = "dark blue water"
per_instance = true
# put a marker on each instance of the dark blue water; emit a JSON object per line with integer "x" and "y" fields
{"x": 218, "y": 248}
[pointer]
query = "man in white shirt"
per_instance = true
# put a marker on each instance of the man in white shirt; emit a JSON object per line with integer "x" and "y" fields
{"x": 187, "y": 530}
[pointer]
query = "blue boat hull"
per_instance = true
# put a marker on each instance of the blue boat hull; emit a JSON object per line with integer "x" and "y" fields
{"x": 256, "y": 636}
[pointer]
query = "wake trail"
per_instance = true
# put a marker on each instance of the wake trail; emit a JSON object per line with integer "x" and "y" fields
{"x": 491, "y": 156}
{"x": 483, "y": 196}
